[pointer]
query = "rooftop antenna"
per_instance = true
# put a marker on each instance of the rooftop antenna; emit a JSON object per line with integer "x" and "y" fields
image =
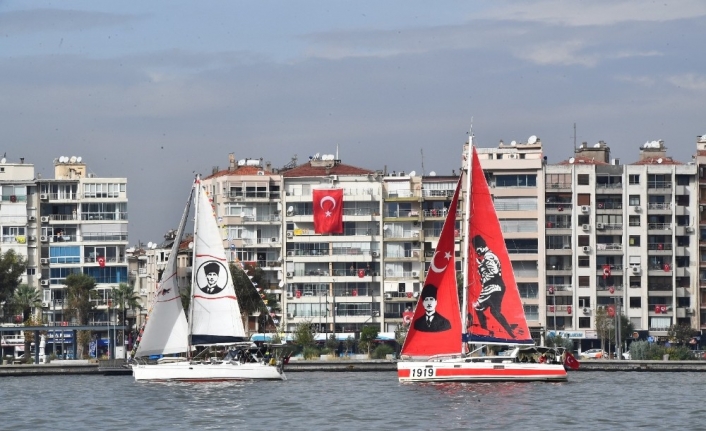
{"x": 337, "y": 152}
{"x": 574, "y": 137}
{"x": 422, "y": 151}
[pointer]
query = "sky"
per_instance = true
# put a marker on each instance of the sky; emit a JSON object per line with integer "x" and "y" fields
{"x": 158, "y": 91}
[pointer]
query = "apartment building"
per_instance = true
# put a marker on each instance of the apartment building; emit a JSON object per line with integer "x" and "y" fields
{"x": 619, "y": 238}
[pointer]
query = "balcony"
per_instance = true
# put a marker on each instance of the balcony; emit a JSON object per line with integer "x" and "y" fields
{"x": 659, "y": 207}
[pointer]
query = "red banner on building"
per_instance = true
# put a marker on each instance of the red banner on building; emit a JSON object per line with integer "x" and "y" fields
{"x": 328, "y": 210}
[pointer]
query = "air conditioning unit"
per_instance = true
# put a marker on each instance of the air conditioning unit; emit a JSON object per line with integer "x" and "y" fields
{"x": 45, "y": 219}
{"x": 415, "y": 274}
{"x": 635, "y": 269}
{"x": 585, "y": 208}
{"x": 290, "y": 316}
{"x": 290, "y": 234}
{"x": 600, "y": 226}
{"x": 416, "y": 294}
{"x": 334, "y": 177}
{"x": 375, "y": 253}
{"x": 586, "y": 310}
{"x": 43, "y": 238}
{"x": 388, "y": 296}
{"x": 43, "y": 196}
{"x": 415, "y": 234}
{"x": 31, "y": 218}
{"x": 586, "y": 227}
{"x": 44, "y": 261}
{"x": 290, "y": 253}
{"x": 376, "y": 313}
{"x": 637, "y": 209}
{"x": 273, "y": 239}
{"x": 586, "y": 248}
{"x": 45, "y": 304}
{"x": 290, "y": 274}
{"x": 44, "y": 282}
{"x": 31, "y": 238}
{"x": 689, "y": 229}
{"x": 289, "y": 295}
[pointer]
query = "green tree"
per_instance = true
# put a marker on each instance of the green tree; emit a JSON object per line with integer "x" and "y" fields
{"x": 367, "y": 338}
{"x": 605, "y": 328}
{"x": 304, "y": 338}
{"x": 680, "y": 334}
{"x": 80, "y": 293}
{"x": 24, "y": 300}
{"x": 559, "y": 341}
{"x": 12, "y": 267}
{"x": 124, "y": 298}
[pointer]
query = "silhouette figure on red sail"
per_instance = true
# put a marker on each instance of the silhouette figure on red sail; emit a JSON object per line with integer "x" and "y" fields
{"x": 493, "y": 287}
{"x": 431, "y": 321}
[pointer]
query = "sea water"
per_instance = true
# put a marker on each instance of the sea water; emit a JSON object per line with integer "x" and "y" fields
{"x": 355, "y": 401}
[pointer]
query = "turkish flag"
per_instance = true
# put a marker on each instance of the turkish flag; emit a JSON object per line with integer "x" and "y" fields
{"x": 663, "y": 309}
{"x": 606, "y": 271}
{"x": 571, "y": 362}
{"x": 658, "y": 309}
{"x": 328, "y": 210}
{"x": 101, "y": 261}
{"x": 361, "y": 273}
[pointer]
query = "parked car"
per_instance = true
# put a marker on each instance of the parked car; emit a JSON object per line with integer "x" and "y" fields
{"x": 594, "y": 354}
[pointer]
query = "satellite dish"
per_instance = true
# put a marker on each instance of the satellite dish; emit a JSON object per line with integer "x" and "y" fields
{"x": 532, "y": 140}
{"x": 598, "y": 145}
{"x": 432, "y": 174}
{"x": 78, "y": 159}
{"x": 3, "y": 161}
{"x": 39, "y": 275}
{"x": 413, "y": 173}
{"x": 73, "y": 159}
{"x": 659, "y": 160}
{"x": 572, "y": 160}
{"x": 154, "y": 245}
{"x": 290, "y": 209}
{"x": 191, "y": 245}
{"x": 281, "y": 283}
{"x": 513, "y": 143}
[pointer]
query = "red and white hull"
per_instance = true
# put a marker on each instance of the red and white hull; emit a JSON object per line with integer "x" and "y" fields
{"x": 478, "y": 371}
{"x": 206, "y": 372}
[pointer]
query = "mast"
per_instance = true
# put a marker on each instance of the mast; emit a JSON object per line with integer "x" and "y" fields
{"x": 197, "y": 197}
{"x": 466, "y": 237}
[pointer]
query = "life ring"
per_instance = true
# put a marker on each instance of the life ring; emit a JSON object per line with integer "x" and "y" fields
{"x": 600, "y": 205}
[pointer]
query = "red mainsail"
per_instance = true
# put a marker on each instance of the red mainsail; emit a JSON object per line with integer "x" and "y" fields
{"x": 435, "y": 328}
{"x": 495, "y": 310}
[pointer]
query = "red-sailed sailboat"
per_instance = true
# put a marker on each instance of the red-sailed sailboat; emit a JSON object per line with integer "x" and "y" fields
{"x": 436, "y": 347}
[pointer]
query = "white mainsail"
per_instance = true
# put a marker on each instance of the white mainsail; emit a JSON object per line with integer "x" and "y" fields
{"x": 166, "y": 330}
{"x": 215, "y": 314}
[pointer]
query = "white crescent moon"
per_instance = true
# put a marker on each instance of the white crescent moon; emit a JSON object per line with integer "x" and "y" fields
{"x": 433, "y": 267}
{"x": 327, "y": 198}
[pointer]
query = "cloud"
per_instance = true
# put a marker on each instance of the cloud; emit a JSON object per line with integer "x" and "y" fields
{"x": 561, "y": 53}
{"x": 688, "y": 81}
{"x": 58, "y": 20}
{"x": 594, "y": 13}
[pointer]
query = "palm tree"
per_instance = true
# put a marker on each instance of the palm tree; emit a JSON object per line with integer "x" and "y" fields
{"x": 80, "y": 291}
{"x": 250, "y": 300}
{"x": 124, "y": 298}
{"x": 12, "y": 266}
{"x": 24, "y": 299}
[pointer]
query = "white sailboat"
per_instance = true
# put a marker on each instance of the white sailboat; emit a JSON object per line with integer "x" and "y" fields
{"x": 435, "y": 348}
{"x": 214, "y": 315}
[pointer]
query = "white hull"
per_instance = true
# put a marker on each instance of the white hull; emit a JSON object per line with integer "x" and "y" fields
{"x": 205, "y": 372}
{"x": 459, "y": 370}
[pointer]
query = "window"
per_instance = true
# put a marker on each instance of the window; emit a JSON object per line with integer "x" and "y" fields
{"x": 584, "y": 262}
{"x": 531, "y": 312}
{"x": 584, "y": 322}
{"x": 634, "y": 179}
{"x": 583, "y": 240}
{"x": 583, "y": 199}
{"x": 634, "y": 221}
{"x": 634, "y": 240}
{"x": 584, "y": 281}
{"x": 582, "y": 179}
{"x": 528, "y": 290}
{"x": 635, "y": 302}
{"x": 521, "y": 180}
{"x": 634, "y": 200}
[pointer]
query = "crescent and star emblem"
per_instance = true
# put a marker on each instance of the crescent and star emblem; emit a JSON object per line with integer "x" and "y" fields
{"x": 433, "y": 266}
{"x": 333, "y": 202}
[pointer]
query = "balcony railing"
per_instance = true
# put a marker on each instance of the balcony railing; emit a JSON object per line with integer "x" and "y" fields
{"x": 659, "y": 226}
{"x": 659, "y": 206}
{"x": 659, "y": 184}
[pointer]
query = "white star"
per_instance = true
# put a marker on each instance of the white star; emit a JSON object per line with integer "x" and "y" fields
{"x": 328, "y": 213}
{"x": 447, "y": 255}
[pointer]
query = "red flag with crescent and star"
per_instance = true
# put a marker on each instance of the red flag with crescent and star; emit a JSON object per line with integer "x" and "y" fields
{"x": 328, "y": 210}
{"x": 438, "y": 339}
{"x": 101, "y": 261}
